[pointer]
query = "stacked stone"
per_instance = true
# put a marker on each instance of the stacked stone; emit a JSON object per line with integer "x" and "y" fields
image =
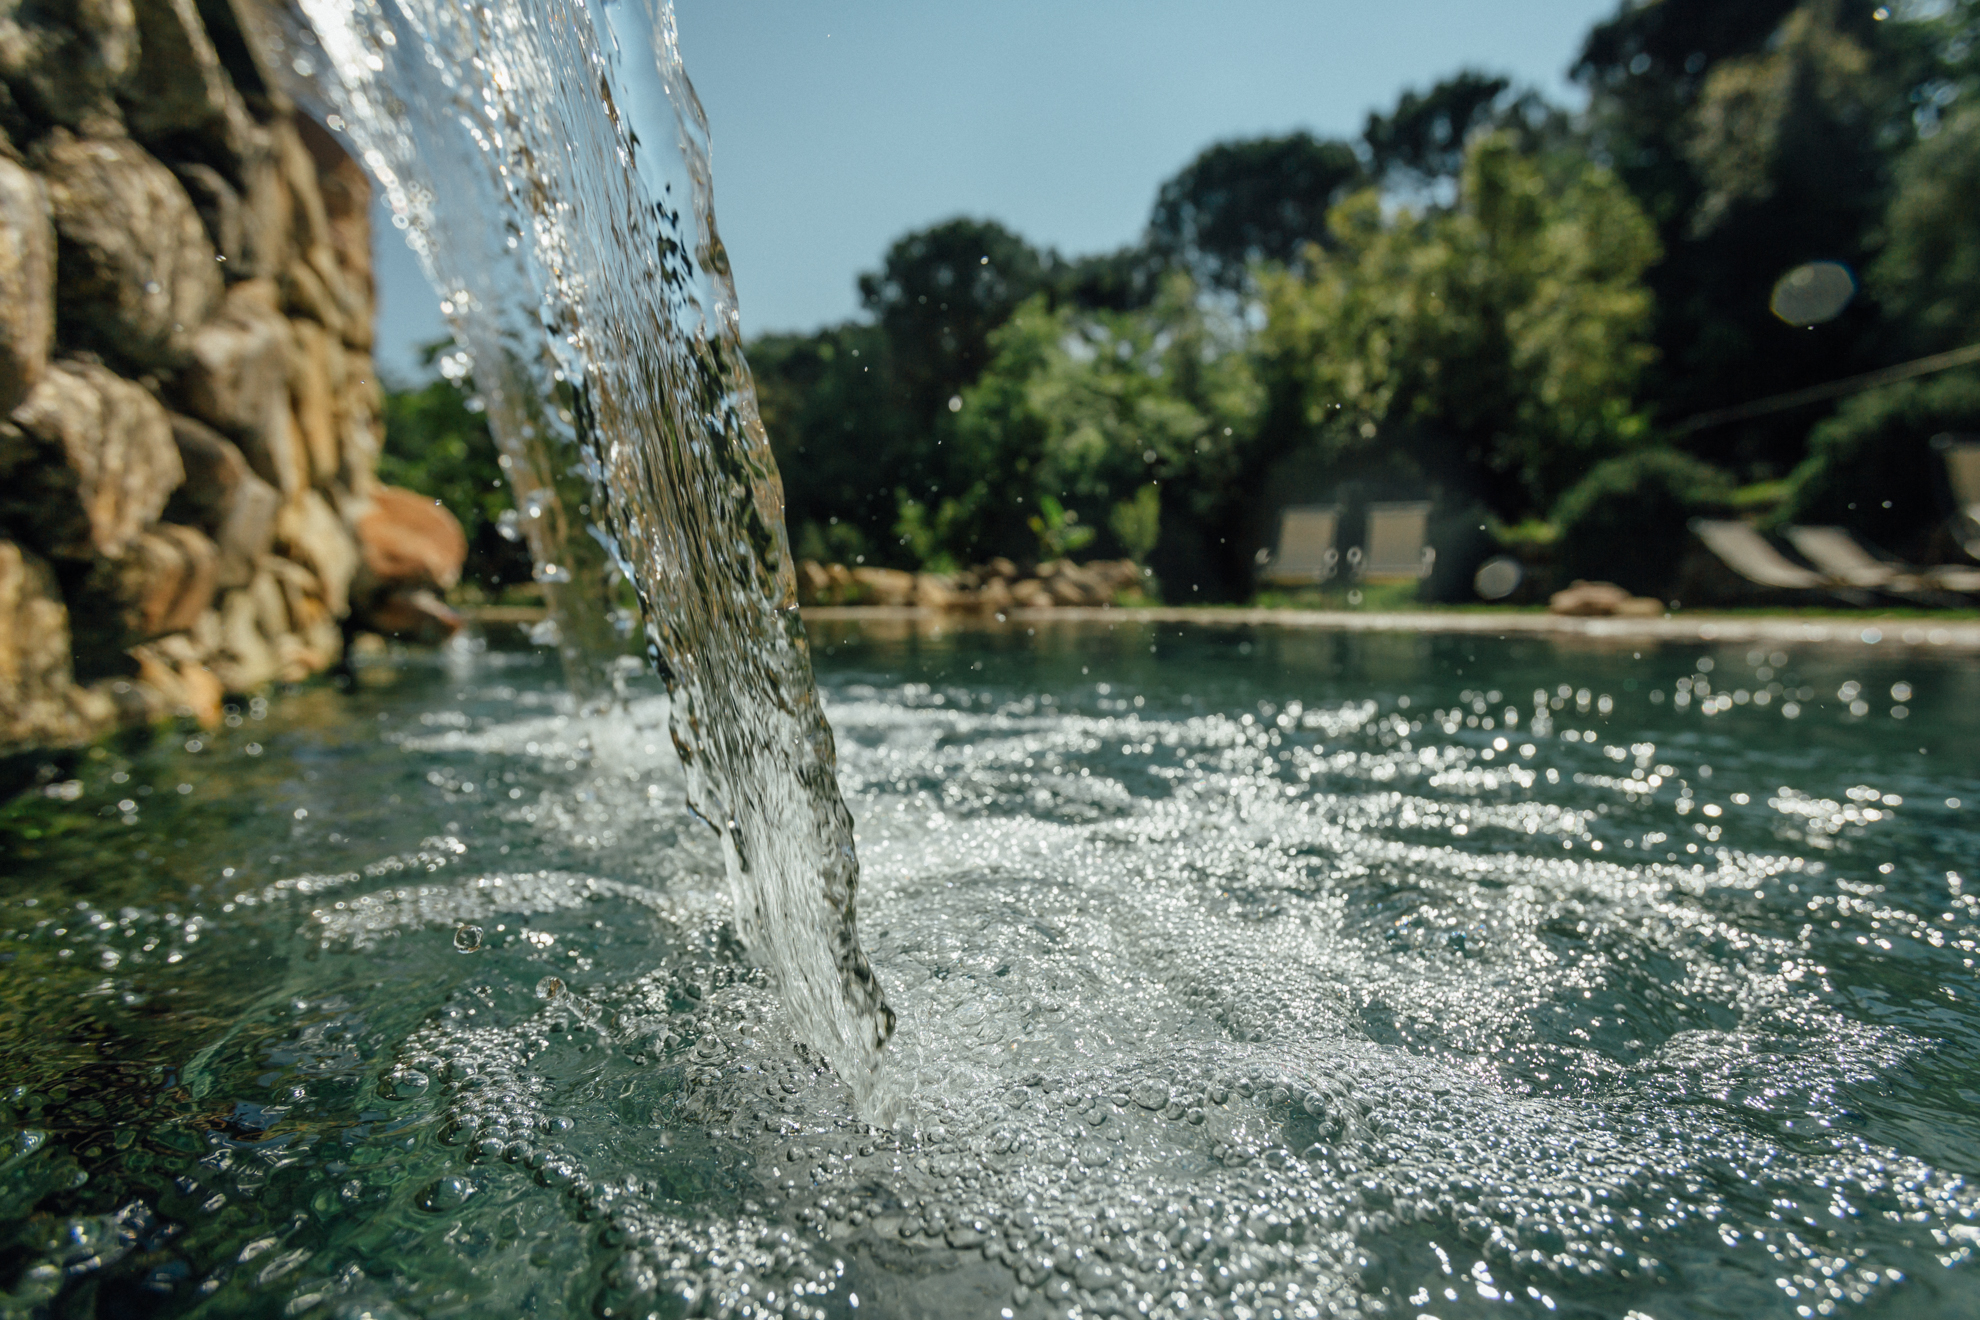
{"x": 191, "y": 416}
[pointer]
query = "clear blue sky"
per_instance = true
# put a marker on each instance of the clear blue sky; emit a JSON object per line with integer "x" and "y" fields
{"x": 838, "y": 126}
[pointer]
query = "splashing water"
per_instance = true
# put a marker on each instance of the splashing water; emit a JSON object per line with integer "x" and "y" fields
{"x": 581, "y": 267}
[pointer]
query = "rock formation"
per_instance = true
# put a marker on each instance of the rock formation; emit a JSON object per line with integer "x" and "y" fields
{"x": 189, "y": 418}
{"x": 997, "y": 585}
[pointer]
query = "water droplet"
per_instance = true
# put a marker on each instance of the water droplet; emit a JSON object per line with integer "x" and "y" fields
{"x": 549, "y": 988}
{"x": 467, "y": 938}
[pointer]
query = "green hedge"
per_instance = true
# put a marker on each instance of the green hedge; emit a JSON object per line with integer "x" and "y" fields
{"x": 1626, "y": 521}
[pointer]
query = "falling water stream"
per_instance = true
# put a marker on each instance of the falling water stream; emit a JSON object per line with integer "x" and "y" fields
{"x": 581, "y": 268}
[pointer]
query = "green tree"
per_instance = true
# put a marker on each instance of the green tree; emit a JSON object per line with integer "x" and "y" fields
{"x": 1628, "y": 520}
{"x": 1496, "y": 344}
{"x": 1423, "y": 139}
{"x": 1088, "y": 409}
{"x": 937, "y": 297}
{"x": 1758, "y": 136}
{"x": 437, "y": 442}
{"x": 1928, "y": 275}
{"x": 1239, "y": 203}
{"x": 1872, "y": 467}
{"x": 841, "y": 439}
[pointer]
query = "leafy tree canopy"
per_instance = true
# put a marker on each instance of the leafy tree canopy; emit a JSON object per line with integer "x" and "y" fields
{"x": 1238, "y": 203}
{"x": 1502, "y": 337}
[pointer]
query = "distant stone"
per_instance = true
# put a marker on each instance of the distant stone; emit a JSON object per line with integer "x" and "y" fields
{"x": 933, "y": 591}
{"x": 884, "y": 586}
{"x": 1032, "y": 594}
{"x": 412, "y": 550}
{"x": 813, "y": 583}
{"x": 27, "y": 284}
{"x": 87, "y": 463}
{"x": 136, "y": 274}
{"x": 1602, "y": 600}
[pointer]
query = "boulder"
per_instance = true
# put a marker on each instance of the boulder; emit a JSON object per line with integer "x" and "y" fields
{"x": 238, "y": 381}
{"x": 267, "y": 215}
{"x": 933, "y": 591}
{"x": 1032, "y": 594}
{"x": 178, "y": 89}
{"x": 88, "y": 463}
{"x": 27, "y": 284}
{"x": 313, "y": 638}
{"x": 359, "y": 429}
{"x": 884, "y": 586}
{"x": 35, "y": 677}
{"x": 413, "y": 616}
{"x": 223, "y": 213}
{"x": 243, "y": 660}
{"x": 162, "y": 584}
{"x": 169, "y": 689}
{"x": 313, "y": 398}
{"x": 994, "y": 594}
{"x": 65, "y": 61}
{"x": 225, "y": 499}
{"x": 166, "y": 581}
{"x": 309, "y": 532}
{"x": 813, "y": 582}
{"x": 135, "y": 274}
{"x": 409, "y": 541}
{"x": 1601, "y": 600}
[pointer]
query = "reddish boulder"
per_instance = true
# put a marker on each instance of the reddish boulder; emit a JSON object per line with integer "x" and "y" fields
{"x": 410, "y": 550}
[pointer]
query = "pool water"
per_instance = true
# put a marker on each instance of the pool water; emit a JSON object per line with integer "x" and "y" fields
{"x": 1242, "y": 972}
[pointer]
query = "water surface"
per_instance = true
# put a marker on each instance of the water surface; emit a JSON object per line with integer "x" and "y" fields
{"x": 1241, "y": 972}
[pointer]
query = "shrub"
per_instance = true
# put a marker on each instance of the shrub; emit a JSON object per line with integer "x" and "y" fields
{"x": 1626, "y": 521}
{"x": 1871, "y": 468}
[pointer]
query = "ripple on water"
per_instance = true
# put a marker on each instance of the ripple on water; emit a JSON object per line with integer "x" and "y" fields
{"x": 1199, "y": 1017}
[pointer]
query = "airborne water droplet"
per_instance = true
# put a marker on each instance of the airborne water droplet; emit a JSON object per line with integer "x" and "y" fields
{"x": 549, "y": 988}
{"x": 467, "y": 938}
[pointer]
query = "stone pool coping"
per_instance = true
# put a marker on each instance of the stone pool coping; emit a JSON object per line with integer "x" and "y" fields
{"x": 1785, "y": 629}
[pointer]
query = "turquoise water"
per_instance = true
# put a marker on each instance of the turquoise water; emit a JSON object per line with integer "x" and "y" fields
{"x": 1240, "y": 972}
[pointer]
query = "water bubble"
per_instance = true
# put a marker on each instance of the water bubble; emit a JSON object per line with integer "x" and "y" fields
{"x": 405, "y": 1083}
{"x": 467, "y": 939}
{"x": 549, "y": 988}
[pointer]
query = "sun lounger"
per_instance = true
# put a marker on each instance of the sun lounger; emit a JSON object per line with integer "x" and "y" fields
{"x": 1748, "y": 554}
{"x": 1963, "y": 473}
{"x": 1840, "y": 555}
{"x": 1306, "y": 554}
{"x": 1962, "y": 457}
{"x": 1396, "y": 541}
{"x": 1836, "y": 552}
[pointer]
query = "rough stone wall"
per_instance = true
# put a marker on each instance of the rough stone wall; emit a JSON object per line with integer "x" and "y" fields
{"x": 191, "y": 419}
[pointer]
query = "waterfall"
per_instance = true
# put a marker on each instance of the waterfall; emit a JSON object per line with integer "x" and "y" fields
{"x": 580, "y": 268}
